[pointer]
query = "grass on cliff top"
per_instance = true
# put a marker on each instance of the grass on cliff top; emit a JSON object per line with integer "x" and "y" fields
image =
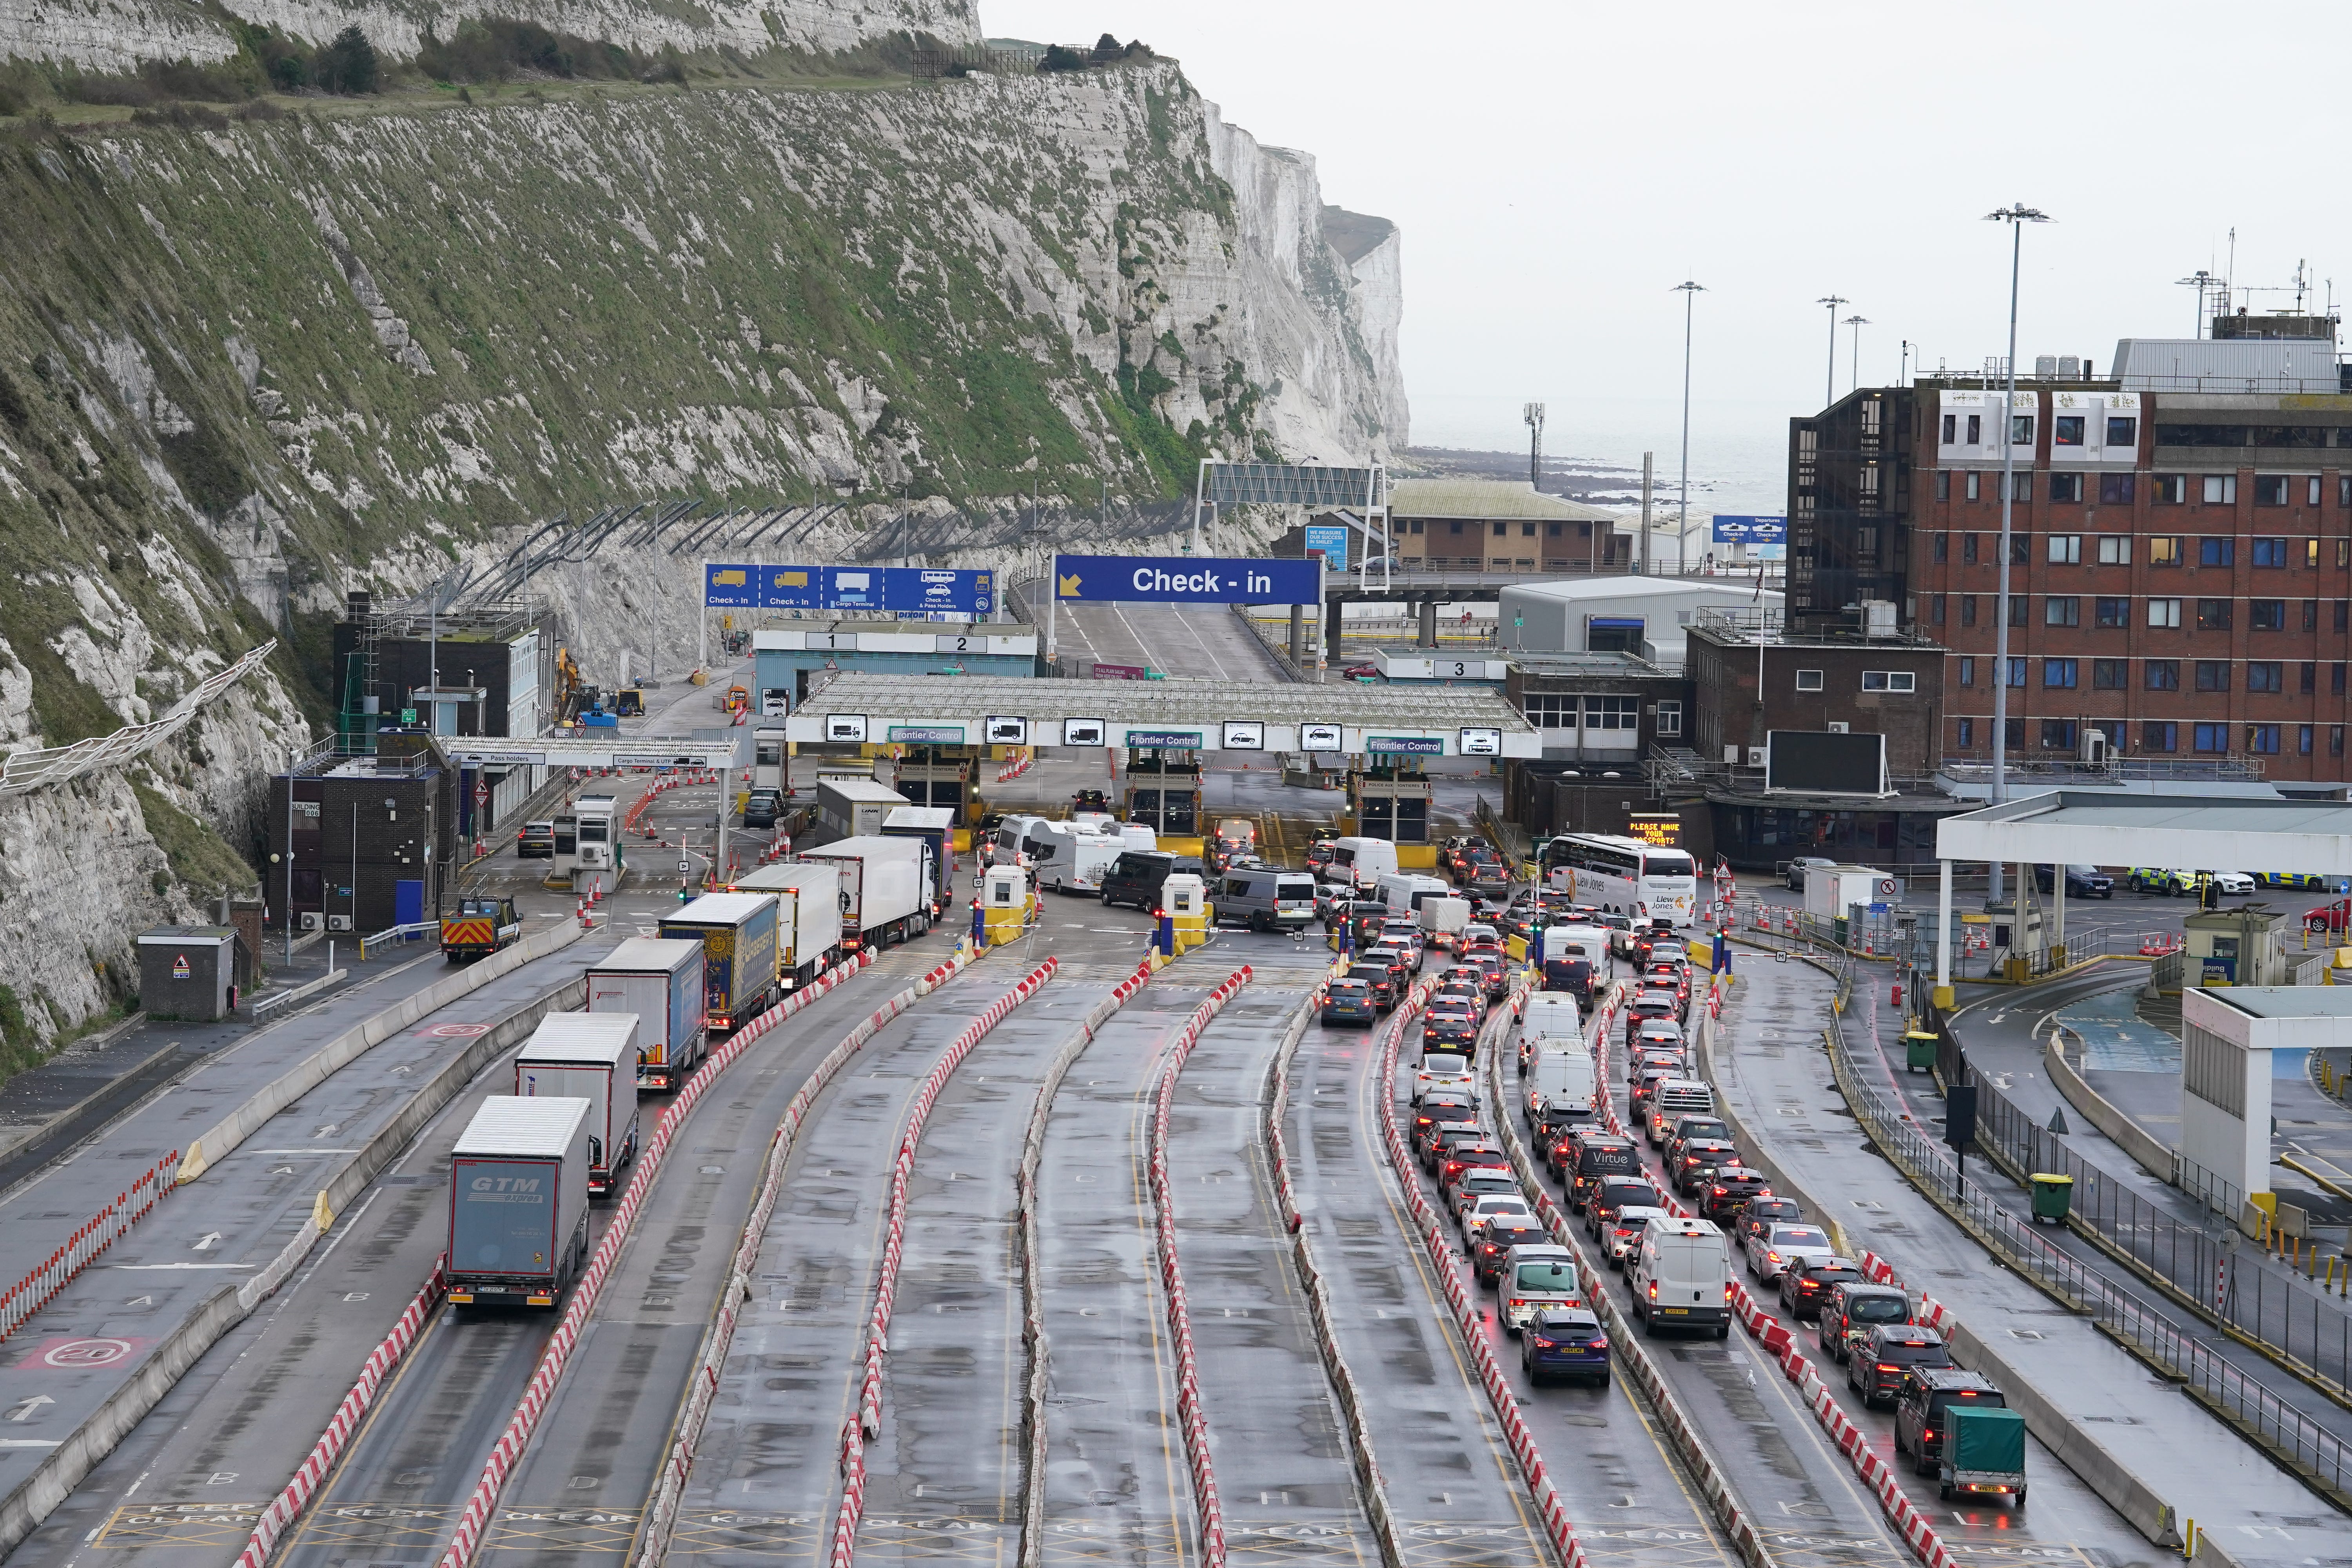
{"x": 201, "y": 858}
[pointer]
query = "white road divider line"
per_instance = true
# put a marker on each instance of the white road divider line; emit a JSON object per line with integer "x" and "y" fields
{"x": 1172, "y": 1276}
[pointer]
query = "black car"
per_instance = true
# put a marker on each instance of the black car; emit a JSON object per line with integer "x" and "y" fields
{"x": 1495, "y": 1241}
{"x": 1380, "y": 979}
{"x": 1698, "y": 1161}
{"x": 1438, "y": 1112}
{"x": 2082, "y": 881}
{"x": 1802, "y": 1284}
{"x": 1613, "y": 1194}
{"x": 536, "y": 841}
{"x": 1445, "y": 1027}
{"x": 1875, "y": 1370}
{"x": 762, "y": 807}
{"x": 1728, "y": 1193}
{"x": 1920, "y": 1404}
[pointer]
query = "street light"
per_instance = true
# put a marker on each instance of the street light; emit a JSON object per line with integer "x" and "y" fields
{"x": 2017, "y": 215}
{"x": 1829, "y": 377}
{"x": 1690, "y": 292}
{"x": 1853, "y": 380}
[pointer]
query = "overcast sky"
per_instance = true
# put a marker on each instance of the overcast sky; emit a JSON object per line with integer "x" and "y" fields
{"x": 1557, "y": 168}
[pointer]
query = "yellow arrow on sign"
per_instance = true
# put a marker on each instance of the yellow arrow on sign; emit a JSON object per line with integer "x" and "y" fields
{"x": 1069, "y": 585}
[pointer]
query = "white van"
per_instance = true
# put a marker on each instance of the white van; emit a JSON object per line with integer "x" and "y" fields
{"x": 1404, "y": 892}
{"x": 1548, "y": 1015}
{"x": 1444, "y": 920}
{"x": 1565, "y": 1087}
{"x": 1537, "y": 1277}
{"x": 1360, "y": 862}
{"x": 1068, "y": 858}
{"x": 1681, "y": 1276}
{"x": 1573, "y": 958}
{"x": 1004, "y": 844}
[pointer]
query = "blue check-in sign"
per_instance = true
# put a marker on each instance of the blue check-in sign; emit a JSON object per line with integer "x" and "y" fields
{"x": 1745, "y": 529}
{"x": 1184, "y": 580}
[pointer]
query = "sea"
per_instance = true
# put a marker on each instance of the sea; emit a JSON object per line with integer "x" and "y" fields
{"x": 1593, "y": 446}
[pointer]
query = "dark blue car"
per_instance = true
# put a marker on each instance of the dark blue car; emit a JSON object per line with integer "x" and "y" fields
{"x": 1564, "y": 1342}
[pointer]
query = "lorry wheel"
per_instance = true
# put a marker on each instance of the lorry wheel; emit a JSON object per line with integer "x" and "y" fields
{"x": 2020, "y": 1500}
{"x": 1943, "y": 1490}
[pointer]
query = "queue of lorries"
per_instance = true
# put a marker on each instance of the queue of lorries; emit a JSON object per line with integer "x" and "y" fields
{"x": 523, "y": 1172}
{"x": 1949, "y": 1423}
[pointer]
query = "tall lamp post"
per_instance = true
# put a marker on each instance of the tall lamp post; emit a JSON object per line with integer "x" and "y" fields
{"x": 1829, "y": 376}
{"x": 1853, "y": 379}
{"x": 1690, "y": 292}
{"x": 2017, "y": 215}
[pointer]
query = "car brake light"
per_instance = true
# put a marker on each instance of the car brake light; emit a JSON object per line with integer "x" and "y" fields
{"x": 1888, "y": 1366}
{"x": 1598, "y": 1345}
{"x": 1726, "y": 1290}
{"x": 1653, "y": 1289}
{"x": 1774, "y": 1257}
{"x": 1718, "y": 1192}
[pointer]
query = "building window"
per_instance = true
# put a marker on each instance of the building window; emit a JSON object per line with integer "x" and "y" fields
{"x": 2115, "y": 549}
{"x": 2212, "y": 674}
{"x": 2163, "y": 674}
{"x": 1968, "y": 736}
{"x": 1935, "y": 610}
{"x": 1670, "y": 718}
{"x": 1549, "y": 710}
{"x": 1968, "y": 609}
{"x": 2164, "y": 550}
{"x": 2062, "y": 610}
{"x": 2269, "y": 490}
{"x": 2164, "y": 612}
{"x": 1501, "y": 530}
{"x": 2066, "y": 549}
{"x": 2335, "y": 681}
{"x": 2168, "y": 490}
{"x": 1526, "y": 530}
{"x": 2020, "y": 429}
{"x": 1951, "y": 434}
{"x": 1942, "y": 548}
{"x": 2336, "y": 739}
{"x": 1889, "y": 681}
{"x": 2311, "y": 615}
{"x": 2017, "y": 672}
{"x": 2020, "y": 550}
{"x": 2263, "y": 738}
{"x": 2065, "y": 487}
{"x": 1944, "y": 477}
{"x": 1808, "y": 680}
{"x": 2212, "y": 738}
{"x": 2344, "y": 615}
{"x": 1553, "y": 530}
{"x": 2303, "y": 738}
{"x": 2213, "y": 614}
{"x": 1969, "y": 546}
{"x": 2269, "y": 551}
{"x": 2058, "y": 734}
{"x": 2221, "y": 490}
{"x": 2017, "y": 609}
{"x": 1454, "y": 528}
{"x": 2020, "y": 486}
{"x": 2058, "y": 672}
{"x": 2307, "y": 682}
{"x": 2159, "y": 737}
{"x": 2311, "y": 553}
{"x": 2013, "y": 734}
{"x": 2115, "y": 489}
{"x": 2123, "y": 430}
{"x": 2114, "y": 611}
{"x": 1975, "y": 479}
{"x": 2265, "y": 675}
{"x": 2217, "y": 553}
{"x": 1612, "y": 713}
{"x": 2109, "y": 674}
{"x": 2066, "y": 430}
{"x": 1969, "y": 671}
{"x": 2266, "y": 614}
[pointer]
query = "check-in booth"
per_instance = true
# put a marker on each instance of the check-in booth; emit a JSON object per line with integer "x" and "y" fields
{"x": 1003, "y": 903}
{"x": 1184, "y": 897}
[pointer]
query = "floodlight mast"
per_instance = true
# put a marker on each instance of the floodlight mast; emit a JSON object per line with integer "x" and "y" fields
{"x": 2017, "y": 215}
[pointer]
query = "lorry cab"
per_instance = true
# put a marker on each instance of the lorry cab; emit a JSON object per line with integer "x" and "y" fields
{"x": 480, "y": 927}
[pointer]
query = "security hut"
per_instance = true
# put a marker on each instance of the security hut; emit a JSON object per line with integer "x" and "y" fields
{"x": 196, "y": 972}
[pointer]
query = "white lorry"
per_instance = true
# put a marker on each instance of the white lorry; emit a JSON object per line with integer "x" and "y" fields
{"x": 1830, "y": 891}
{"x": 591, "y": 1055}
{"x": 882, "y": 888}
{"x": 658, "y": 981}
{"x": 808, "y": 915}
{"x": 1444, "y": 920}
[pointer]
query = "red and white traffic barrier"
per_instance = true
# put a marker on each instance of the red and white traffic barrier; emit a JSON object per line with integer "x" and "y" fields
{"x": 89, "y": 1239}
{"x": 290, "y": 1503}
{"x": 1172, "y": 1276}
{"x": 581, "y": 1306}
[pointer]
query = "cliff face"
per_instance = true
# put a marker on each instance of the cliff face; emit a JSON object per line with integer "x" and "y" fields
{"x": 245, "y": 370}
{"x": 118, "y": 35}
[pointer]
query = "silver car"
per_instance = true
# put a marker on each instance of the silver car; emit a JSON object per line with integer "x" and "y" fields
{"x": 1775, "y": 1249}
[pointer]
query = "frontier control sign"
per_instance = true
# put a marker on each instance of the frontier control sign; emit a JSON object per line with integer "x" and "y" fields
{"x": 1184, "y": 580}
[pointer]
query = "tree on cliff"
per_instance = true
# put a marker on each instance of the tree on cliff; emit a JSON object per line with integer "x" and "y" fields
{"x": 347, "y": 65}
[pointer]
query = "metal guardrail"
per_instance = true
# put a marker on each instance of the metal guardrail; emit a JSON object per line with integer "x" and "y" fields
{"x": 2296, "y": 1440}
{"x": 264, "y": 1006}
{"x": 35, "y": 769}
{"x": 408, "y": 932}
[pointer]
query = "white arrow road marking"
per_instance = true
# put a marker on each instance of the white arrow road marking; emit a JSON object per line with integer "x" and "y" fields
{"x": 26, "y": 1409}
{"x": 211, "y": 1239}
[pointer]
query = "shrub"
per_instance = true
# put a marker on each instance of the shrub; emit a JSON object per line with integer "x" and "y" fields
{"x": 1061, "y": 57}
{"x": 347, "y": 65}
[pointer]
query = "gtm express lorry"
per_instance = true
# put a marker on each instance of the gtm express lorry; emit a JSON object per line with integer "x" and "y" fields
{"x": 519, "y": 1201}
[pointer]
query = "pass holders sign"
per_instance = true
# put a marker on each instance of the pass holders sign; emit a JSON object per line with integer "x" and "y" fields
{"x": 1184, "y": 580}
{"x": 1330, "y": 541}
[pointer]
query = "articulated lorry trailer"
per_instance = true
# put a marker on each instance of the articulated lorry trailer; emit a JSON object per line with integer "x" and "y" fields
{"x": 739, "y": 973}
{"x": 519, "y": 1201}
{"x": 882, "y": 889}
{"x": 594, "y": 1057}
{"x": 660, "y": 982}
{"x": 808, "y": 915}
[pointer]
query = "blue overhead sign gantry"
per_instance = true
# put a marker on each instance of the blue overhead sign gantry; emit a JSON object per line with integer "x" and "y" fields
{"x": 895, "y": 590}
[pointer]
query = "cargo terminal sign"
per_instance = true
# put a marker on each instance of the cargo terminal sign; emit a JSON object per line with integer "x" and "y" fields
{"x": 1185, "y": 580}
{"x": 891, "y": 590}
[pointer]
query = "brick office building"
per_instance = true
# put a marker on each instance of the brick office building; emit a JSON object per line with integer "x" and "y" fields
{"x": 2182, "y": 556}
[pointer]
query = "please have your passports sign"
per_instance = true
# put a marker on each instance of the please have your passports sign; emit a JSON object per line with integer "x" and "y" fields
{"x": 1184, "y": 580}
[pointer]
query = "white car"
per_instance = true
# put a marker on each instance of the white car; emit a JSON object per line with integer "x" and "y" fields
{"x": 1487, "y": 1183}
{"x": 1486, "y": 1205}
{"x": 1441, "y": 1070}
{"x": 1622, "y": 1235}
{"x": 2233, "y": 882}
{"x": 1773, "y": 1249}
